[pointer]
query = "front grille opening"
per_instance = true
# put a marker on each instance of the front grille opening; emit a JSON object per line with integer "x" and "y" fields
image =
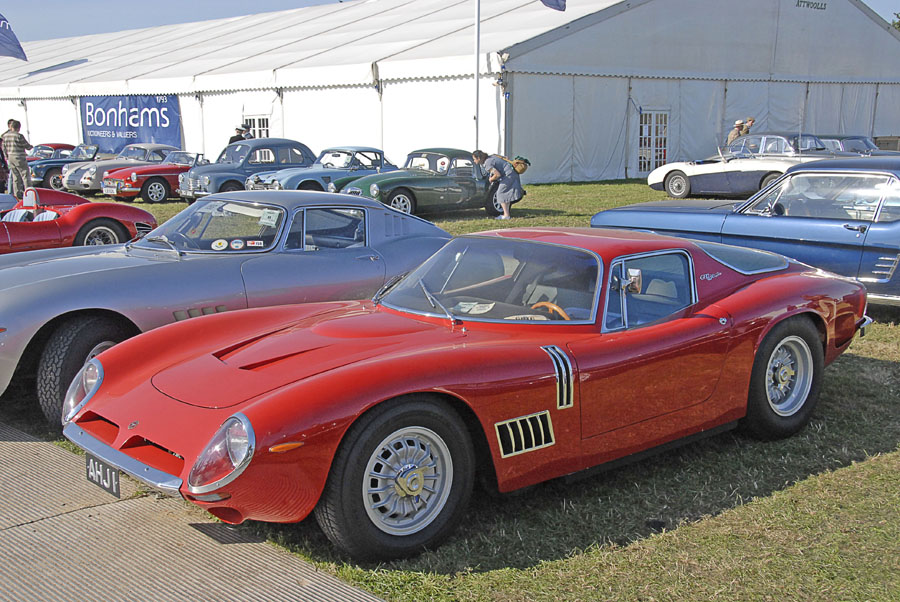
{"x": 153, "y": 454}
{"x": 99, "y": 427}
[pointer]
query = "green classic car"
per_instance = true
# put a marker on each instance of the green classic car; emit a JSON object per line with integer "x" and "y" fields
{"x": 431, "y": 180}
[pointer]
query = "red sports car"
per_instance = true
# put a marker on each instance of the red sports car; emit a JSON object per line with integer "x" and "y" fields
{"x": 526, "y": 354}
{"x": 154, "y": 183}
{"x": 51, "y": 150}
{"x": 47, "y": 219}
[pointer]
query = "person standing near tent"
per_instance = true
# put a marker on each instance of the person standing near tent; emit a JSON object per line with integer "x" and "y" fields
{"x": 238, "y": 135}
{"x": 748, "y": 123}
{"x": 499, "y": 170}
{"x": 14, "y": 147}
{"x": 734, "y": 133}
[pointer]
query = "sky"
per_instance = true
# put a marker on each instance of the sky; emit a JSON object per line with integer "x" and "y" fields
{"x": 67, "y": 18}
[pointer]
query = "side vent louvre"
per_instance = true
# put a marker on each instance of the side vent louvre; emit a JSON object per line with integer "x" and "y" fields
{"x": 564, "y": 385}
{"x": 524, "y": 434}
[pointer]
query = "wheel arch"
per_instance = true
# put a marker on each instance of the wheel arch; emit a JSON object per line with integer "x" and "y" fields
{"x": 817, "y": 320}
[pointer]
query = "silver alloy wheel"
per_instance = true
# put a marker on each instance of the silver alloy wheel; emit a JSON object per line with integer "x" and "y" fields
{"x": 497, "y": 206}
{"x": 401, "y": 202}
{"x": 789, "y": 376}
{"x": 156, "y": 192}
{"x": 407, "y": 480}
{"x": 56, "y": 181}
{"x": 677, "y": 185}
{"x": 101, "y": 235}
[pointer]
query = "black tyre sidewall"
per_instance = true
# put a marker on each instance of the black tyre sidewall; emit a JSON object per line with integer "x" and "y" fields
{"x": 48, "y": 176}
{"x": 310, "y": 186}
{"x": 230, "y": 187}
{"x": 145, "y": 195}
{"x": 119, "y": 229}
{"x": 64, "y": 355}
{"x": 341, "y": 513}
{"x": 761, "y": 421}
{"x": 407, "y": 194}
{"x": 687, "y": 184}
{"x": 769, "y": 179}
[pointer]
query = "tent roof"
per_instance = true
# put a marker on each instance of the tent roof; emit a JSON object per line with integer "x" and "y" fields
{"x": 359, "y": 41}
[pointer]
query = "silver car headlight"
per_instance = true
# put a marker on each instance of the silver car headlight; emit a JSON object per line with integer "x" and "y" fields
{"x": 133, "y": 177}
{"x": 225, "y": 456}
{"x": 373, "y": 190}
{"x": 205, "y": 180}
{"x": 83, "y": 387}
{"x": 181, "y": 178}
{"x": 91, "y": 170}
{"x": 65, "y": 168}
{"x": 332, "y": 187}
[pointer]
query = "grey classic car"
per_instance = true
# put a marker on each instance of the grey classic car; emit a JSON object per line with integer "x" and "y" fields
{"x": 226, "y": 252}
{"x": 240, "y": 160}
{"x": 87, "y": 176}
{"x": 855, "y": 143}
{"x": 333, "y": 163}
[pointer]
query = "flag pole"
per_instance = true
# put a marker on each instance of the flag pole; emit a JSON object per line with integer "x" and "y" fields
{"x": 477, "y": 53}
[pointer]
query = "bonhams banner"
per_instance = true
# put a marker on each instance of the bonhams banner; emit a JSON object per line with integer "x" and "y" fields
{"x": 112, "y": 122}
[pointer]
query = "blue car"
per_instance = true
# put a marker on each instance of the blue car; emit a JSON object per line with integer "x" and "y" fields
{"x": 47, "y": 173}
{"x": 841, "y": 215}
{"x": 240, "y": 160}
{"x": 333, "y": 163}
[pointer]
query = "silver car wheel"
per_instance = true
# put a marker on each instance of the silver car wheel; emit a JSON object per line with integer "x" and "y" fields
{"x": 101, "y": 235}
{"x": 401, "y": 202}
{"x": 789, "y": 376}
{"x": 407, "y": 480}
{"x": 55, "y": 181}
{"x": 156, "y": 192}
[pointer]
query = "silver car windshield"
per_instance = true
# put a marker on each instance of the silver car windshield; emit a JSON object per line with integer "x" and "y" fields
{"x": 180, "y": 158}
{"x": 216, "y": 226}
{"x": 499, "y": 279}
{"x": 83, "y": 151}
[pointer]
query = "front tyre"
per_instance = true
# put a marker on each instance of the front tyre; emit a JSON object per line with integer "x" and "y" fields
{"x": 786, "y": 379}
{"x": 402, "y": 200}
{"x": 400, "y": 482}
{"x": 53, "y": 179}
{"x": 101, "y": 232}
{"x": 71, "y": 345}
{"x": 155, "y": 190}
{"x": 768, "y": 180}
{"x": 678, "y": 186}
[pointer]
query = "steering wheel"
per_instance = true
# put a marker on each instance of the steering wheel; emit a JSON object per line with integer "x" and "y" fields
{"x": 179, "y": 238}
{"x": 552, "y": 307}
{"x": 328, "y": 164}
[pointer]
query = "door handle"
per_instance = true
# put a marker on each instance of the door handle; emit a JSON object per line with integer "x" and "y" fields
{"x": 856, "y": 228}
{"x": 369, "y": 257}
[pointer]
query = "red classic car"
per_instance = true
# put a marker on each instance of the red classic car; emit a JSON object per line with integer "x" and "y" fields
{"x": 50, "y": 150}
{"x": 48, "y": 219}
{"x": 154, "y": 183}
{"x": 526, "y": 354}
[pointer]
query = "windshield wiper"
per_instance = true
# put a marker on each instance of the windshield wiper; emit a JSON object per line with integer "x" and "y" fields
{"x": 387, "y": 286}
{"x": 435, "y": 303}
{"x": 165, "y": 241}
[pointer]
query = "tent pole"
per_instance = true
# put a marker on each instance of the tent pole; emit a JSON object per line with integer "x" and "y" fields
{"x": 477, "y": 52}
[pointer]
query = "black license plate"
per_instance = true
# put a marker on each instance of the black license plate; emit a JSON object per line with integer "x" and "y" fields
{"x": 103, "y": 475}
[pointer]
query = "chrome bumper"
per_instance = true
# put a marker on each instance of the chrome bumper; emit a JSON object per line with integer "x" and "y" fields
{"x": 861, "y": 327}
{"x": 157, "y": 479}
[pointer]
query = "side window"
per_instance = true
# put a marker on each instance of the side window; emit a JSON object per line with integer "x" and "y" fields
{"x": 831, "y": 196}
{"x": 647, "y": 289}
{"x": 776, "y": 146}
{"x": 751, "y": 144}
{"x": 261, "y": 156}
{"x": 461, "y": 168}
{"x": 158, "y": 155}
{"x": 330, "y": 228}
{"x": 295, "y": 234}
{"x": 290, "y": 155}
{"x": 366, "y": 160}
{"x": 890, "y": 210}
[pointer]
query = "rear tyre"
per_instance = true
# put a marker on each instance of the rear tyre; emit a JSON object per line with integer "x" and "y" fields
{"x": 68, "y": 348}
{"x": 230, "y": 187}
{"x": 101, "y": 232}
{"x": 493, "y": 207}
{"x": 310, "y": 186}
{"x": 677, "y": 185}
{"x": 402, "y": 200}
{"x": 53, "y": 179}
{"x": 768, "y": 180}
{"x": 786, "y": 379}
{"x": 155, "y": 190}
{"x": 400, "y": 482}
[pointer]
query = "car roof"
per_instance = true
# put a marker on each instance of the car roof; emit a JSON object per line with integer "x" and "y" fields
{"x": 253, "y": 142}
{"x": 877, "y": 163}
{"x": 609, "y": 243}
{"x": 841, "y": 136}
{"x": 291, "y": 199}
{"x": 450, "y": 152}
{"x": 151, "y": 145}
{"x": 354, "y": 149}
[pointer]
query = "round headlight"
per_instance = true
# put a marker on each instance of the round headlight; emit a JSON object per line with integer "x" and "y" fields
{"x": 92, "y": 170}
{"x": 226, "y": 455}
{"x": 181, "y": 178}
{"x": 373, "y": 190}
{"x": 65, "y": 168}
{"x": 332, "y": 187}
{"x": 205, "y": 180}
{"x": 133, "y": 177}
{"x": 83, "y": 387}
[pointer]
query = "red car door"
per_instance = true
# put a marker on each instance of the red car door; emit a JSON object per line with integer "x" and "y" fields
{"x": 27, "y": 236}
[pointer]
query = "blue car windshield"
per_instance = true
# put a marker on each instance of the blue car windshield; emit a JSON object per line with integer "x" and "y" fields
{"x": 83, "y": 151}
{"x": 217, "y": 226}
{"x": 233, "y": 153}
{"x": 335, "y": 158}
{"x": 490, "y": 279}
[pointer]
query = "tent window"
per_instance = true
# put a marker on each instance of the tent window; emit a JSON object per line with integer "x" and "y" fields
{"x": 259, "y": 125}
{"x": 653, "y": 140}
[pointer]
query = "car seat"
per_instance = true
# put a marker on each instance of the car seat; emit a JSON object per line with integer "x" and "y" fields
{"x": 18, "y": 215}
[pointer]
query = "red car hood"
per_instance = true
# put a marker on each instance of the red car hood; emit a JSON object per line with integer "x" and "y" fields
{"x": 264, "y": 362}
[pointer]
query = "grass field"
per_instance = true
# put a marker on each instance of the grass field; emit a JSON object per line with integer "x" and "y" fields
{"x": 813, "y": 517}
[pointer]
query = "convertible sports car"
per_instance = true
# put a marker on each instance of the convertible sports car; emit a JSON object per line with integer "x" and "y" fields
{"x": 47, "y": 173}
{"x": 155, "y": 182}
{"x": 433, "y": 179}
{"x": 842, "y": 215}
{"x": 47, "y": 219}
{"x": 333, "y": 163}
{"x": 52, "y": 150}
{"x": 747, "y": 165}
{"x": 87, "y": 176}
{"x": 59, "y": 307}
{"x": 527, "y": 354}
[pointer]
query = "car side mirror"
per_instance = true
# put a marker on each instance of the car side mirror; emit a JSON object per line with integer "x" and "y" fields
{"x": 634, "y": 281}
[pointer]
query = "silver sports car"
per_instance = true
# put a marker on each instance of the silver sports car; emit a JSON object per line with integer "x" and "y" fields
{"x": 228, "y": 251}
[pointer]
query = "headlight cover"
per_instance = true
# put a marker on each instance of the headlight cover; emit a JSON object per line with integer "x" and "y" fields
{"x": 225, "y": 456}
{"x": 373, "y": 191}
{"x": 92, "y": 170}
{"x": 83, "y": 387}
{"x": 205, "y": 180}
{"x": 332, "y": 187}
{"x": 133, "y": 177}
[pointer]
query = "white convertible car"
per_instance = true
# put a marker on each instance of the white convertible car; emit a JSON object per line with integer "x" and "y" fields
{"x": 749, "y": 164}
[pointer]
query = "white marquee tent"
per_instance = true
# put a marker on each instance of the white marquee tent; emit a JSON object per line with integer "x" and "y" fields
{"x": 606, "y": 89}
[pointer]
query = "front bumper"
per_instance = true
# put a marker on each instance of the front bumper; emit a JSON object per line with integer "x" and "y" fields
{"x": 191, "y": 194}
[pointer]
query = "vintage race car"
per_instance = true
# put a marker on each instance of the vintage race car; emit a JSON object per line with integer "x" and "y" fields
{"x": 747, "y": 165}
{"x": 47, "y": 173}
{"x": 47, "y": 219}
{"x": 842, "y": 215}
{"x": 432, "y": 180}
{"x": 332, "y": 164}
{"x": 87, "y": 176}
{"x": 51, "y": 150}
{"x": 154, "y": 183}
{"x": 59, "y": 307}
{"x": 523, "y": 354}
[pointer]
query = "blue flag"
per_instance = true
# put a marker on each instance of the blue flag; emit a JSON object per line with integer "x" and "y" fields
{"x": 9, "y": 43}
{"x": 555, "y": 4}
